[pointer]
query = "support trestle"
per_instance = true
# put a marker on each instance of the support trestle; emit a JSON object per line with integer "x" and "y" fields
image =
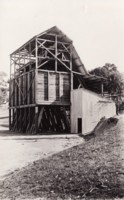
{"x": 40, "y": 119}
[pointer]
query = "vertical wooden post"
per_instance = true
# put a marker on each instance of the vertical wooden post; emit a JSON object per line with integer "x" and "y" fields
{"x": 36, "y": 69}
{"x": 28, "y": 88}
{"x": 29, "y": 119}
{"x": 36, "y": 76}
{"x": 19, "y": 91}
{"x": 25, "y": 127}
{"x": 56, "y": 52}
{"x": 16, "y": 128}
{"x": 20, "y": 123}
{"x": 19, "y": 83}
{"x": 19, "y": 61}
{"x": 48, "y": 85}
{"x": 10, "y": 66}
{"x": 59, "y": 86}
{"x": 14, "y": 87}
{"x": 9, "y": 118}
{"x": 102, "y": 89}
{"x": 24, "y": 79}
{"x": 71, "y": 68}
{"x": 30, "y": 55}
{"x": 10, "y": 92}
{"x": 14, "y": 70}
{"x": 36, "y": 119}
{"x": 71, "y": 81}
{"x": 15, "y": 91}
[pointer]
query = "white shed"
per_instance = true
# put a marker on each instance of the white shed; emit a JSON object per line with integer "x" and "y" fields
{"x": 87, "y": 108}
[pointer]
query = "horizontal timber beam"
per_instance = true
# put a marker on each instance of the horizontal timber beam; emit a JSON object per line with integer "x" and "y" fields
{"x": 23, "y": 106}
{"x": 51, "y": 71}
{"x": 54, "y": 41}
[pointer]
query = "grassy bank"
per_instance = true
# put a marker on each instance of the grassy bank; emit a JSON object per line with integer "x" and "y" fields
{"x": 94, "y": 170}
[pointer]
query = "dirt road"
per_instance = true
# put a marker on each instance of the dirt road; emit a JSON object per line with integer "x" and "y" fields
{"x": 18, "y": 151}
{"x": 93, "y": 170}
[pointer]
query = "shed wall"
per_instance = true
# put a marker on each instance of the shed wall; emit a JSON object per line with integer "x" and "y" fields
{"x": 53, "y": 88}
{"x": 22, "y": 89}
{"x": 76, "y": 109}
{"x": 91, "y": 108}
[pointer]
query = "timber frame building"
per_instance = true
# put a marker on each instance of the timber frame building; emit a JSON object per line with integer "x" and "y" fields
{"x": 43, "y": 73}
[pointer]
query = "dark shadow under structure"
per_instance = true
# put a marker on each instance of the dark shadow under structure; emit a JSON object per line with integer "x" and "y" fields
{"x": 43, "y": 72}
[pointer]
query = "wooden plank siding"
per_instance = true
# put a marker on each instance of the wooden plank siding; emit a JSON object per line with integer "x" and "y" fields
{"x": 53, "y": 87}
{"x": 22, "y": 90}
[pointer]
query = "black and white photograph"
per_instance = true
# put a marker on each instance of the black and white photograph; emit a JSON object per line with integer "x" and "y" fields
{"x": 61, "y": 99}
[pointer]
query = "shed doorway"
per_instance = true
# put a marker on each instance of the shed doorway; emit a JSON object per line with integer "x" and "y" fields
{"x": 79, "y": 125}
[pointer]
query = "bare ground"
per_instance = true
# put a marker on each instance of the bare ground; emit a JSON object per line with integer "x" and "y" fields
{"x": 93, "y": 170}
{"x": 17, "y": 151}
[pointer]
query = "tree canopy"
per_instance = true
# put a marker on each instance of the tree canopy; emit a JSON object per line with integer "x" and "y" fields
{"x": 115, "y": 82}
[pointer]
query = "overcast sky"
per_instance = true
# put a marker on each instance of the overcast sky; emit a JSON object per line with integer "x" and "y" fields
{"x": 95, "y": 26}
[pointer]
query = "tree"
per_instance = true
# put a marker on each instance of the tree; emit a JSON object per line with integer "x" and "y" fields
{"x": 114, "y": 83}
{"x": 3, "y": 87}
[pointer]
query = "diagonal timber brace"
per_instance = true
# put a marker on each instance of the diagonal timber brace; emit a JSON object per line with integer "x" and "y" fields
{"x": 41, "y": 44}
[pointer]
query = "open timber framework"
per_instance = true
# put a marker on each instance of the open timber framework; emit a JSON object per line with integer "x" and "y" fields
{"x": 43, "y": 72}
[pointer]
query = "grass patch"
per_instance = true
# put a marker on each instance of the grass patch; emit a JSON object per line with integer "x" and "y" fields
{"x": 92, "y": 170}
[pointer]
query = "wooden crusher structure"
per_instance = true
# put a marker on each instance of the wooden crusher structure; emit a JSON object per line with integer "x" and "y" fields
{"x": 43, "y": 72}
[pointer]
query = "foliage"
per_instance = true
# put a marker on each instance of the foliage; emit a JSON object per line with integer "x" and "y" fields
{"x": 3, "y": 87}
{"x": 115, "y": 82}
